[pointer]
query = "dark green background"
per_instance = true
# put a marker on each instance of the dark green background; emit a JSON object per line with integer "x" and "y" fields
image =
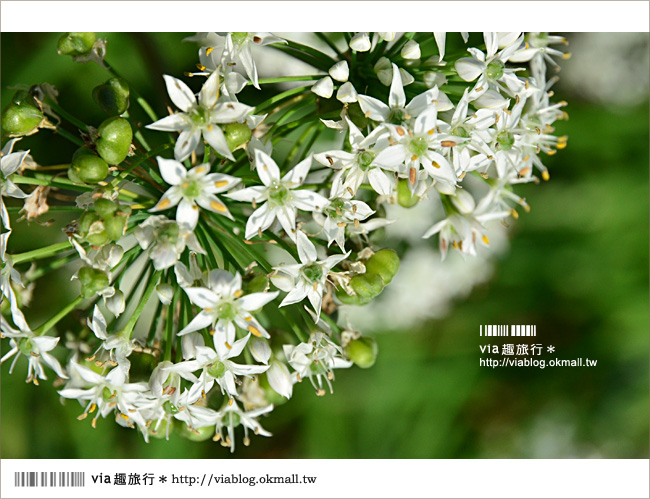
{"x": 577, "y": 268}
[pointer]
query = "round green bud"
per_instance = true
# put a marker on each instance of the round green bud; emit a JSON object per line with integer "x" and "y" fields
{"x": 22, "y": 115}
{"x": 87, "y": 168}
{"x": 159, "y": 430}
{"x": 195, "y": 434}
{"x": 404, "y": 197}
{"x": 367, "y": 286}
{"x": 363, "y": 352}
{"x": 257, "y": 284}
{"x": 76, "y": 43}
{"x": 114, "y": 140}
{"x": 385, "y": 263}
{"x": 105, "y": 207}
{"x": 112, "y": 96}
{"x": 115, "y": 226}
{"x": 237, "y": 134}
{"x": 92, "y": 281}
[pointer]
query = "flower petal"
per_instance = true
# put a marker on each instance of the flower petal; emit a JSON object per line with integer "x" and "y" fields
{"x": 180, "y": 94}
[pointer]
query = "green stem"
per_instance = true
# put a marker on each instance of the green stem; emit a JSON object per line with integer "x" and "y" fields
{"x": 60, "y": 315}
{"x": 153, "y": 282}
{"x": 284, "y": 79}
{"x": 67, "y": 116}
{"x": 67, "y": 135}
{"x": 39, "y": 253}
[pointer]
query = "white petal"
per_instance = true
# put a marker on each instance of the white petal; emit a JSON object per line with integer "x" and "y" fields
{"x": 186, "y": 143}
{"x": 396, "y": 98}
{"x": 323, "y": 87}
{"x": 202, "y": 297}
{"x": 180, "y": 94}
{"x": 173, "y": 123}
{"x": 229, "y": 112}
{"x": 260, "y": 220}
{"x": 202, "y": 320}
{"x": 280, "y": 379}
{"x": 374, "y": 108}
{"x": 469, "y": 69}
{"x": 267, "y": 169}
{"x": 340, "y": 71}
{"x": 297, "y": 175}
{"x": 307, "y": 200}
{"x": 360, "y": 42}
{"x": 214, "y": 136}
{"x": 209, "y": 92}
{"x": 379, "y": 181}
{"x": 260, "y": 350}
{"x": 411, "y": 50}
{"x": 347, "y": 93}
{"x": 187, "y": 213}
{"x": 306, "y": 249}
{"x": 171, "y": 171}
{"x": 255, "y": 301}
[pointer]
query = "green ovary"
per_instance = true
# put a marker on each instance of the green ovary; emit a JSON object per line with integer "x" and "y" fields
{"x": 495, "y": 69}
{"x": 217, "y": 369}
{"x": 200, "y": 116}
{"x": 278, "y": 193}
{"x": 191, "y": 189}
{"x": 418, "y": 146}
{"x": 365, "y": 159}
{"x": 506, "y": 140}
{"x": 239, "y": 37}
{"x": 313, "y": 272}
{"x": 226, "y": 311}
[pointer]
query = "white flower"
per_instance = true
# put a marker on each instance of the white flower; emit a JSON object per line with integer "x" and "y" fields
{"x": 238, "y": 50}
{"x": 34, "y": 348}
{"x": 166, "y": 240}
{"x": 316, "y": 359}
{"x": 192, "y": 189}
{"x": 10, "y": 162}
{"x": 200, "y": 118}
{"x": 490, "y": 68}
{"x": 224, "y": 306}
{"x": 231, "y": 416}
{"x": 119, "y": 347}
{"x": 9, "y": 275}
{"x": 279, "y": 379}
{"x": 282, "y": 197}
{"x": 107, "y": 393}
{"x": 359, "y": 164}
{"x": 397, "y": 111}
{"x": 360, "y": 42}
{"x": 347, "y": 94}
{"x": 215, "y": 365}
{"x": 307, "y": 278}
{"x": 411, "y": 50}
{"x": 336, "y": 217}
{"x": 416, "y": 148}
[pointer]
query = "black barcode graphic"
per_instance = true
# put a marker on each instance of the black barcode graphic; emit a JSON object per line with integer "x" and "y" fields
{"x": 49, "y": 479}
{"x": 526, "y": 330}
{"x": 512, "y": 330}
{"x": 492, "y": 330}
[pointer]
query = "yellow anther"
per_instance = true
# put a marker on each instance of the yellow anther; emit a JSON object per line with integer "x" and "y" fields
{"x": 447, "y": 143}
{"x": 249, "y": 318}
{"x": 220, "y": 183}
{"x": 83, "y": 416}
{"x": 247, "y": 441}
{"x": 200, "y": 67}
{"x": 400, "y": 131}
{"x": 217, "y": 437}
{"x": 231, "y": 401}
{"x": 238, "y": 293}
{"x": 228, "y": 345}
{"x": 315, "y": 286}
{"x": 514, "y": 214}
{"x": 93, "y": 423}
{"x": 435, "y": 165}
{"x": 485, "y": 239}
{"x": 432, "y": 131}
{"x": 341, "y": 224}
{"x": 254, "y": 331}
{"x": 92, "y": 408}
{"x": 412, "y": 175}
{"x": 356, "y": 222}
{"x": 560, "y": 145}
{"x": 320, "y": 392}
{"x": 209, "y": 50}
{"x": 551, "y": 152}
{"x": 566, "y": 55}
{"x": 185, "y": 185}
{"x": 164, "y": 203}
{"x": 545, "y": 175}
{"x": 124, "y": 416}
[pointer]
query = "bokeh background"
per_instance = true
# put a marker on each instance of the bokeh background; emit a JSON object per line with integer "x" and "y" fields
{"x": 576, "y": 266}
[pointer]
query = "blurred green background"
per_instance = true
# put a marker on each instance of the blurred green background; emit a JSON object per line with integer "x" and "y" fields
{"x": 577, "y": 268}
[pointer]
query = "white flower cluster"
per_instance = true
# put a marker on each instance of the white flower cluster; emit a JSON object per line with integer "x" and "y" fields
{"x": 468, "y": 132}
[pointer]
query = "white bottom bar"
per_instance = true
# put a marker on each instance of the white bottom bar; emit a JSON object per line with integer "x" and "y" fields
{"x": 348, "y": 478}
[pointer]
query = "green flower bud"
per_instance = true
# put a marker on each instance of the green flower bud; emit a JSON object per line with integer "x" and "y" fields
{"x": 92, "y": 281}
{"x": 112, "y": 96}
{"x": 115, "y": 226}
{"x": 237, "y": 134}
{"x": 256, "y": 284}
{"x": 404, "y": 197}
{"x": 22, "y": 115}
{"x": 97, "y": 235}
{"x": 105, "y": 207}
{"x": 195, "y": 434}
{"x": 385, "y": 263}
{"x": 85, "y": 221}
{"x": 363, "y": 352}
{"x": 76, "y": 43}
{"x": 367, "y": 286}
{"x": 114, "y": 140}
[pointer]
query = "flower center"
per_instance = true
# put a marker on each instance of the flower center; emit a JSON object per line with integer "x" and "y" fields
{"x": 191, "y": 189}
{"x": 506, "y": 140}
{"x": 335, "y": 209}
{"x": 107, "y": 394}
{"x": 217, "y": 369}
{"x": 460, "y": 131}
{"x": 231, "y": 419}
{"x": 169, "y": 233}
{"x": 170, "y": 408}
{"x": 278, "y": 193}
{"x": 239, "y": 37}
{"x": 313, "y": 272}
{"x": 397, "y": 116}
{"x": 364, "y": 159}
{"x": 418, "y": 146}
{"x": 226, "y": 311}
{"x": 200, "y": 116}
{"x": 495, "y": 69}
{"x": 25, "y": 346}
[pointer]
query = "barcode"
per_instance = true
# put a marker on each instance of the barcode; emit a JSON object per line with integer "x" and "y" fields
{"x": 49, "y": 479}
{"x": 509, "y": 330}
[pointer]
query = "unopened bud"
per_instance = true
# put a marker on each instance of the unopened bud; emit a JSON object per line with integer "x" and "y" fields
{"x": 363, "y": 352}
{"x": 92, "y": 281}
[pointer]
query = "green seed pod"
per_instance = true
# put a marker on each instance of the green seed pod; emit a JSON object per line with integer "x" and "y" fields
{"x": 85, "y": 221}
{"x": 97, "y": 235}
{"x": 105, "y": 207}
{"x": 256, "y": 284}
{"x": 114, "y": 140}
{"x": 76, "y": 43}
{"x": 195, "y": 434}
{"x": 404, "y": 197}
{"x": 92, "y": 281}
{"x": 87, "y": 168}
{"x": 159, "y": 429}
{"x": 347, "y": 299}
{"x": 237, "y": 134}
{"x": 112, "y": 96}
{"x": 363, "y": 352}
{"x": 385, "y": 263}
{"x": 367, "y": 286}
{"x": 22, "y": 115}
{"x": 115, "y": 226}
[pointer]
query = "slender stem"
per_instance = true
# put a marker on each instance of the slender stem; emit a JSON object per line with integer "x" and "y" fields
{"x": 284, "y": 79}
{"x": 153, "y": 282}
{"x": 67, "y": 116}
{"x": 60, "y": 315}
{"x": 39, "y": 253}
{"x": 67, "y": 135}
